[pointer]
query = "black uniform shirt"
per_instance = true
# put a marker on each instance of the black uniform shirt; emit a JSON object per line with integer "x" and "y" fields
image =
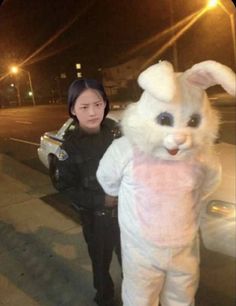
{"x": 80, "y": 155}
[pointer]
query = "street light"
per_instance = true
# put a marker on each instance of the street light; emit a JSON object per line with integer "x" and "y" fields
{"x": 15, "y": 70}
{"x": 213, "y": 3}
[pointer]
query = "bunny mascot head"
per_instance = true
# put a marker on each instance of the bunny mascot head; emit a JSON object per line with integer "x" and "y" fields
{"x": 173, "y": 118}
{"x": 162, "y": 170}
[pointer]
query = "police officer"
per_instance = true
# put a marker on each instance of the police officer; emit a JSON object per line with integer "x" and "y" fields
{"x": 79, "y": 157}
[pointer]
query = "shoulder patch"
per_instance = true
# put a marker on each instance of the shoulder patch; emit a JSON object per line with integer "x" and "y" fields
{"x": 116, "y": 132}
{"x": 61, "y": 154}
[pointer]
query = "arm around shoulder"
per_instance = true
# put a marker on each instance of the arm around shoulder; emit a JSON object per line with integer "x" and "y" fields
{"x": 111, "y": 166}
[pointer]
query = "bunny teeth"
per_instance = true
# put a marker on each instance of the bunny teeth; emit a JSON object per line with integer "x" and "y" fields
{"x": 173, "y": 151}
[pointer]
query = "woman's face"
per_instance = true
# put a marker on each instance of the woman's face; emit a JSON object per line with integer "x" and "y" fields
{"x": 89, "y": 109}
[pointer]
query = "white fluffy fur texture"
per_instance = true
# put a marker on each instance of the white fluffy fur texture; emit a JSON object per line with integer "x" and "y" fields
{"x": 185, "y": 99}
{"x": 158, "y": 80}
{"x": 210, "y": 73}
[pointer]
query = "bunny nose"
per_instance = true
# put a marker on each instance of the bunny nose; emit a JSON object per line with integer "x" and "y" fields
{"x": 180, "y": 138}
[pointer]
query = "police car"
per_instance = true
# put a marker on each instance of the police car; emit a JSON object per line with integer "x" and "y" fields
{"x": 218, "y": 226}
{"x": 218, "y": 219}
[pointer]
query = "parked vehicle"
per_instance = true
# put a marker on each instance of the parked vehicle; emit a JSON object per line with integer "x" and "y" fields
{"x": 218, "y": 219}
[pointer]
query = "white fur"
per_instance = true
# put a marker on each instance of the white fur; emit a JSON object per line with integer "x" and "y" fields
{"x": 210, "y": 73}
{"x": 160, "y": 192}
{"x": 158, "y": 81}
{"x": 180, "y": 95}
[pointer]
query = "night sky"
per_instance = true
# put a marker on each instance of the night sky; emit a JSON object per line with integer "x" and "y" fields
{"x": 100, "y": 33}
{"x": 95, "y": 30}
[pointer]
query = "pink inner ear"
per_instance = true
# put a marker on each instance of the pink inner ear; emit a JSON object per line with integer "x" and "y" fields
{"x": 202, "y": 79}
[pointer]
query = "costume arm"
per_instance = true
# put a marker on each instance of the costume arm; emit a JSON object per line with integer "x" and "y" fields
{"x": 109, "y": 173}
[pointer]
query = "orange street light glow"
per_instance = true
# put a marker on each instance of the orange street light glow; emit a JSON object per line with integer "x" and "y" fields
{"x": 212, "y": 3}
{"x": 14, "y": 69}
{"x": 173, "y": 39}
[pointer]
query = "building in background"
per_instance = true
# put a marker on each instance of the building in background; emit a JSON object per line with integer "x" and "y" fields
{"x": 120, "y": 81}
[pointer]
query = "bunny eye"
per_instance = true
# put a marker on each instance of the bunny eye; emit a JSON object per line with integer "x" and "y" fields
{"x": 165, "y": 119}
{"x": 194, "y": 121}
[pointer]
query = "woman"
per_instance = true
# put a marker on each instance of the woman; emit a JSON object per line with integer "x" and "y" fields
{"x": 79, "y": 157}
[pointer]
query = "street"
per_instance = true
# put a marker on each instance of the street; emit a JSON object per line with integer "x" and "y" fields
{"x": 20, "y": 131}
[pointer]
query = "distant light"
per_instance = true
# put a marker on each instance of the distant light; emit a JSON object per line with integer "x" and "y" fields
{"x": 30, "y": 93}
{"x": 14, "y": 69}
{"x": 78, "y": 66}
{"x": 79, "y": 75}
{"x": 12, "y": 85}
{"x": 63, "y": 75}
{"x": 212, "y": 3}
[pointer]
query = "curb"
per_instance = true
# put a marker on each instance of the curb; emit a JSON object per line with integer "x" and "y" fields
{"x": 38, "y": 184}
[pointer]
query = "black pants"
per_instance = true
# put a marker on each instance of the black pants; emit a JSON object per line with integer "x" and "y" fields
{"x": 102, "y": 235}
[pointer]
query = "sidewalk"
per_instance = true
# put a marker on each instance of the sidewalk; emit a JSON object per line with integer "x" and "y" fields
{"x": 44, "y": 259}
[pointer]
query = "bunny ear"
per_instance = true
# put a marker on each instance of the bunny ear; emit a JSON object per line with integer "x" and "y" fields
{"x": 210, "y": 73}
{"x": 159, "y": 81}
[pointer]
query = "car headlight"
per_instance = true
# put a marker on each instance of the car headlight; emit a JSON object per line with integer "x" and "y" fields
{"x": 221, "y": 209}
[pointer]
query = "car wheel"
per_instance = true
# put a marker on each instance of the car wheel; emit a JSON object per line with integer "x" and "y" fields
{"x": 54, "y": 173}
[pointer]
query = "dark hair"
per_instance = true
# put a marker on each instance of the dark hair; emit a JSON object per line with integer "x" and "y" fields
{"x": 79, "y": 86}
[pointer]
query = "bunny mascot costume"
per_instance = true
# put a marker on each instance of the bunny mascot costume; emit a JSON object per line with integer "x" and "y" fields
{"x": 162, "y": 169}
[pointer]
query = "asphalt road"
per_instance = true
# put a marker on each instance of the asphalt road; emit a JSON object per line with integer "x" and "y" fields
{"x": 20, "y": 131}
